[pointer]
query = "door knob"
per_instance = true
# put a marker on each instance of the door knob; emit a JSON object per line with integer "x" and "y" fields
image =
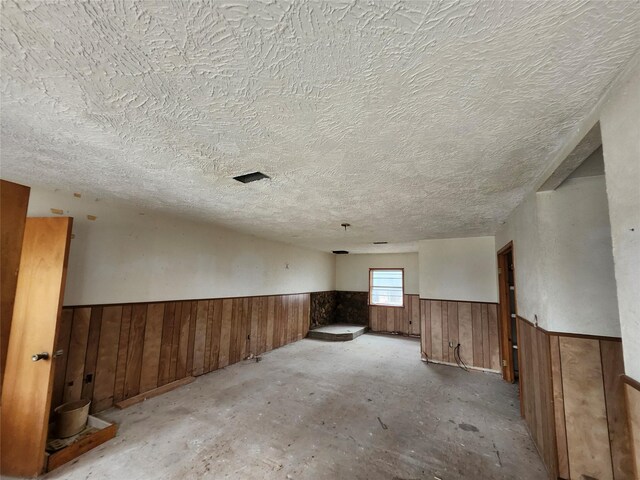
{"x": 40, "y": 356}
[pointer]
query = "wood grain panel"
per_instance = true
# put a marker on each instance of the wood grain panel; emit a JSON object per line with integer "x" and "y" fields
{"x": 143, "y": 347}
{"x": 14, "y": 200}
{"x": 486, "y": 350}
{"x": 135, "y": 350}
{"x": 225, "y": 335}
{"x": 445, "y": 333}
{"x": 454, "y": 334}
{"x": 415, "y": 315}
{"x": 632, "y": 396}
{"x": 465, "y": 329}
{"x": 476, "y": 321}
{"x": 60, "y": 362}
{"x": 216, "y": 306}
{"x": 425, "y": 327}
{"x": 91, "y": 357}
{"x": 123, "y": 351}
{"x": 403, "y": 320}
{"x": 558, "y": 403}
{"x": 107, "y": 358}
{"x": 164, "y": 363}
{"x": 208, "y": 338}
{"x": 77, "y": 354}
{"x": 494, "y": 338}
{"x": 537, "y": 392}
{"x": 585, "y": 411}
{"x": 151, "y": 349}
{"x": 474, "y": 326}
{"x": 436, "y": 329}
{"x": 616, "y": 408}
{"x": 183, "y": 342}
{"x": 175, "y": 342}
{"x": 200, "y": 342}
{"x": 192, "y": 337}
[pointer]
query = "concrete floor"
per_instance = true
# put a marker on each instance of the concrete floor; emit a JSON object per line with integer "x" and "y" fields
{"x": 365, "y": 409}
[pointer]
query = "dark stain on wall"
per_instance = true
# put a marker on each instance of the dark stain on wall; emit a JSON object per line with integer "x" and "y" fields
{"x": 323, "y": 308}
{"x": 352, "y": 307}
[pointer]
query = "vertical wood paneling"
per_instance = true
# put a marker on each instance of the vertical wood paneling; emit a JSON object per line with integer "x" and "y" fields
{"x": 445, "y": 332}
{"x": 192, "y": 337}
{"x": 585, "y": 410}
{"x": 494, "y": 338}
{"x": 476, "y": 321}
{"x": 436, "y": 329}
{"x": 208, "y": 337}
{"x": 415, "y": 315}
{"x": 103, "y": 390}
{"x": 77, "y": 354}
{"x": 445, "y": 324}
{"x": 202, "y": 313}
{"x": 164, "y": 367}
{"x": 558, "y": 403}
{"x": 616, "y": 408}
{"x": 135, "y": 350}
{"x": 452, "y": 320}
{"x": 60, "y": 363}
{"x": 131, "y": 349}
{"x": 183, "y": 345}
{"x": 92, "y": 352}
{"x": 465, "y": 329}
{"x": 123, "y": 349}
{"x": 486, "y": 349}
{"x": 425, "y": 327}
{"x": 537, "y": 392}
{"x": 573, "y": 403}
{"x": 175, "y": 341}
{"x": 151, "y": 347}
{"x": 271, "y": 313}
{"x": 216, "y": 333}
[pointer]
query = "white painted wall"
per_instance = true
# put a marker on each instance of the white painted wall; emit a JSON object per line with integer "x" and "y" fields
{"x": 458, "y": 269}
{"x": 127, "y": 257}
{"x": 352, "y": 271}
{"x": 620, "y": 125}
{"x": 522, "y": 228}
{"x": 576, "y": 257}
{"x": 563, "y": 261}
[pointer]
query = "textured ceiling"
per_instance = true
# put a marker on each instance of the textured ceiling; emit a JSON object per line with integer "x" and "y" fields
{"x": 407, "y": 120}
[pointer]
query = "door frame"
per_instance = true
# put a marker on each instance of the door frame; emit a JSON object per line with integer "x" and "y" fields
{"x": 504, "y": 324}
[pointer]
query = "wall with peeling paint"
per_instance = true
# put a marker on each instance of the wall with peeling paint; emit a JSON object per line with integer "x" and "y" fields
{"x": 131, "y": 255}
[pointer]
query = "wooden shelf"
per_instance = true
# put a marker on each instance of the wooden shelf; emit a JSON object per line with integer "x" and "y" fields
{"x": 97, "y": 432}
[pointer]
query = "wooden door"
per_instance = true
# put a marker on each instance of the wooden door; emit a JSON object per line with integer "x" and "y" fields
{"x": 26, "y": 393}
{"x": 14, "y": 200}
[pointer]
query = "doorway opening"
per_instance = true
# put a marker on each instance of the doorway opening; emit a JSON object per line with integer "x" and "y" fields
{"x": 508, "y": 314}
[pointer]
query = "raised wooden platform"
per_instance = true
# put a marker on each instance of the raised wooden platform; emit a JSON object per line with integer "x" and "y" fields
{"x": 341, "y": 332}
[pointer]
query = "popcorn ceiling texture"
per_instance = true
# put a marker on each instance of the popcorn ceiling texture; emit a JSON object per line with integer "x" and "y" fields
{"x": 407, "y": 120}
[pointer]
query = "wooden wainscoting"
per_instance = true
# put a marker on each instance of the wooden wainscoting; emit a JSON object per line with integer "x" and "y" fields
{"x": 632, "y": 391}
{"x": 115, "y": 352}
{"x": 473, "y": 325}
{"x": 536, "y": 387}
{"x": 404, "y": 320}
{"x": 573, "y": 403}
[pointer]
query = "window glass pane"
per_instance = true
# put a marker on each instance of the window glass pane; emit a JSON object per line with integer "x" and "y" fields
{"x": 386, "y": 287}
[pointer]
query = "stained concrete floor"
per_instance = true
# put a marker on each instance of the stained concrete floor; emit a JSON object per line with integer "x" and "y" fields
{"x": 364, "y": 409}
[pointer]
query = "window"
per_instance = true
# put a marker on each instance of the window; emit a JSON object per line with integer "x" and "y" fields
{"x": 386, "y": 287}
